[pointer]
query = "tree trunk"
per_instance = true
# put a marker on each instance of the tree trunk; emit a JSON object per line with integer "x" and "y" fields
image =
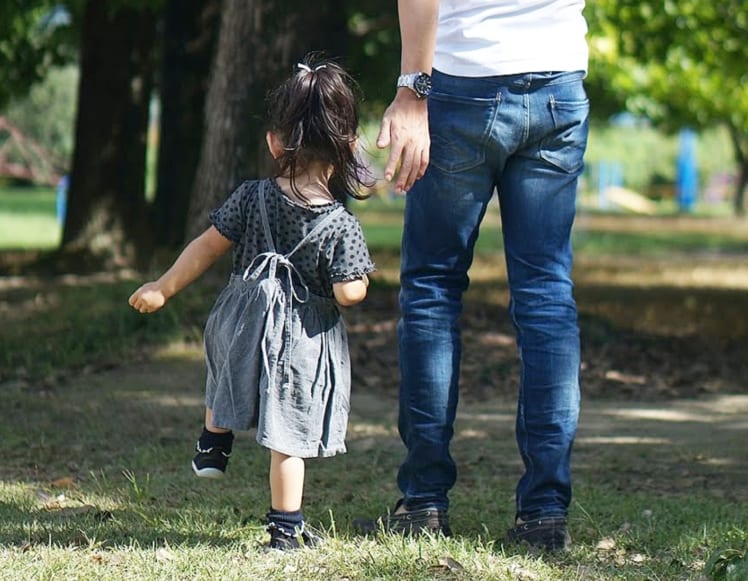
{"x": 189, "y": 33}
{"x": 258, "y": 44}
{"x": 106, "y": 207}
{"x": 740, "y": 143}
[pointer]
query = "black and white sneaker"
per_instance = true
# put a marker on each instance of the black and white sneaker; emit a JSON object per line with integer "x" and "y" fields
{"x": 211, "y": 462}
{"x": 280, "y": 540}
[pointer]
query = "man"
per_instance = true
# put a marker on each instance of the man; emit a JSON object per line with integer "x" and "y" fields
{"x": 503, "y": 110}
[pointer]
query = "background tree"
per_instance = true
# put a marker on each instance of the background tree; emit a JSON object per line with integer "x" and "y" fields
{"x": 190, "y": 29}
{"x": 127, "y": 49}
{"x": 106, "y": 202}
{"x": 677, "y": 63}
{"x": 259, "y": 42}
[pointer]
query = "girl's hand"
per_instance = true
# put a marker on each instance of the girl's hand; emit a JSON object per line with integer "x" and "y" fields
{"x": 351, "y": 292}
{"x": 148, "y": 298}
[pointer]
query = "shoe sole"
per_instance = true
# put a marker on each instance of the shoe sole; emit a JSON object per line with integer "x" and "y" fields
{"x": 213, "y": 473}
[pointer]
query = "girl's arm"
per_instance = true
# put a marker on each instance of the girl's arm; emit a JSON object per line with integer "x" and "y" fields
{"x": 194, "y": 260}
{"x": 351, "y": 292}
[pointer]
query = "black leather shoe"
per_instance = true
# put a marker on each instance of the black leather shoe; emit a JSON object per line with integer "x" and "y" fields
{"x": 548, "y": 534}
{"x": 407, "y": 522}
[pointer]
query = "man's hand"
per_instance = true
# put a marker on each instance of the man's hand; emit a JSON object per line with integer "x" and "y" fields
{"x": 405, "y": 129}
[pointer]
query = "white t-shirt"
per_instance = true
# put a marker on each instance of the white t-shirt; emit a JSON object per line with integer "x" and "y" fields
{"x": 482, "y": 38}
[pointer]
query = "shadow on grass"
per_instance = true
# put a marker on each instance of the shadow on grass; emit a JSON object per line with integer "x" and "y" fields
{"x": 107, "y": 465}
{"x": 657, "y": 363}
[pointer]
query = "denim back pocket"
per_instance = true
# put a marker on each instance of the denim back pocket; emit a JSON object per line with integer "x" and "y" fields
{"x": 566, "y": 141}
{"x": 459, "y": 129}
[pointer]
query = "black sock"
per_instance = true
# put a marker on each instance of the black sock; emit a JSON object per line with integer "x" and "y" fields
{"x": 289, "y": 522}
{"x": 210, "y": 440}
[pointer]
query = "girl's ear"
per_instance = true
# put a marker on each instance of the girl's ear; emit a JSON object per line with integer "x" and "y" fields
{"x": 274, "y": 144}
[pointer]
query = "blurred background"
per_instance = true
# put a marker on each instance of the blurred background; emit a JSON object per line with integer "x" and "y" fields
{"x": 123, "y": 121}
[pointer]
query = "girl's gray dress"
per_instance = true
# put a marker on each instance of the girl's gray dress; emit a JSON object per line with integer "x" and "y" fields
{"x": 275, "y": 343}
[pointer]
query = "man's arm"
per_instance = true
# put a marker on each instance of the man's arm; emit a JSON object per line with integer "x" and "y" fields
{"x": 405, "y": 122}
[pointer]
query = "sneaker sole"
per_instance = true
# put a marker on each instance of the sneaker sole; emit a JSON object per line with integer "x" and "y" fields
{"x": 213, "y": 473}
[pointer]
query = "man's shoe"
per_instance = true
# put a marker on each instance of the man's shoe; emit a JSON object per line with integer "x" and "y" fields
{"x": 544, "y": 534}
{"x": 210, "y": 463}
{"x": 407, "y": 522}
{"x": 280, "y": 540}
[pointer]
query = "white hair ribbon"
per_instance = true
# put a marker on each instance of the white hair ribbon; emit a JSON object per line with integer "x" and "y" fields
{"x": 306, "y": 68}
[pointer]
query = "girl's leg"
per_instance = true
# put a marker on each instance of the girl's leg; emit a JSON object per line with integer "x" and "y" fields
{"x": 209, "y": 423}
{"x": 286, "y": 482}
{"x": 213, "y": 449}
{"x": 285, "y": 519}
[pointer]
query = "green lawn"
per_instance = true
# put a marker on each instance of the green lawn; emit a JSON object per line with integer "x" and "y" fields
{"x": 102, "y": 406}
{"x": 28, "y": 218}
{"x": 595, "y": 233}
{"x": 28, "y": 221}
{"x": 95, "y": 484}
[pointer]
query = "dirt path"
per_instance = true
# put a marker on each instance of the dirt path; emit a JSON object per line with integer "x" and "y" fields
{"x": 678, "y": 447}
{"x": 675, "y": 447}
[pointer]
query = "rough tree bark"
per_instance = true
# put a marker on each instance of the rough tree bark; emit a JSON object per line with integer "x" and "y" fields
{"x": 106, "y": 204}
{"x": 740, "y": 144}
{"x": 190, "y": 29}
{"x": 259, "y": 42}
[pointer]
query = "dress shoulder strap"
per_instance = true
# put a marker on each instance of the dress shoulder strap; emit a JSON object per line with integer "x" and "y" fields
{"x": 264, "y": 215}
{"x": 317, "y": 228}
{"x": 266, "y": 223}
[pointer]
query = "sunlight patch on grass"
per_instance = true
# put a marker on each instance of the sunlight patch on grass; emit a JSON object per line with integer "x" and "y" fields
{"x": 27, "y": 219}
{"x": 661, "y": 415}
{"x": 622, "y": 440}
{"x": 37, "y": 232}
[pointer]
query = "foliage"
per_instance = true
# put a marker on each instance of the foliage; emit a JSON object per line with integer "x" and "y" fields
{"x": 677, "y": 63}
{"x": 34, "y": 38}
{"x": 681, "y": 63}
{"x": 729, "y": 562}
{"x": 47, "y": 112}
{"x": 373, "y": 54}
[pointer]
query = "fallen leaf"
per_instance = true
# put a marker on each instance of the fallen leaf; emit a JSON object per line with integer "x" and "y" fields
{"x": 450, "y": 564}
{"x": 65, "y": 482}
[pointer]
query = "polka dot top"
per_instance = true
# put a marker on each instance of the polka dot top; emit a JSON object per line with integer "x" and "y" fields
{"x": 337, "y": 253}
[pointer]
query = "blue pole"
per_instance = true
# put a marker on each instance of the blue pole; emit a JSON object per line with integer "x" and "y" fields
{"x": 687, "y": 171}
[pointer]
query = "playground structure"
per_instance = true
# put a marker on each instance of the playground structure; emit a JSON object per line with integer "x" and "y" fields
{"x": 23, "y": 158}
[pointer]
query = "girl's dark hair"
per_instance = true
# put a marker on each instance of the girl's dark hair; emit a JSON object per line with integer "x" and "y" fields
{"x": 314, "y": 114}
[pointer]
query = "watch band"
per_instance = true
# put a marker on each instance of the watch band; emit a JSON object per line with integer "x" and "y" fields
{"x": 418, "y": 82}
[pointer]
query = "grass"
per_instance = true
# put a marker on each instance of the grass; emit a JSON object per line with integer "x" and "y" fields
{"x": 28, "y": 218}
{"x": 85, "y": 324}
{"x": 95, "y": 483}
{"x": 595, "y": 234}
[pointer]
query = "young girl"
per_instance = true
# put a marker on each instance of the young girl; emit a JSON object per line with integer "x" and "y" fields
{"x": 276, "y": 346}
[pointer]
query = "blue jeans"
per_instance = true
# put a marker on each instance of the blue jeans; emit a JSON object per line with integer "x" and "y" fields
{"x": 523, "y": 136}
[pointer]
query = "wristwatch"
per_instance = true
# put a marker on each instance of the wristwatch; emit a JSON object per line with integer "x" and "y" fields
{"x": 418, "y": 82}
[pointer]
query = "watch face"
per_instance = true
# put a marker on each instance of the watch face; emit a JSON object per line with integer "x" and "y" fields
{"x": 422, "y": 85}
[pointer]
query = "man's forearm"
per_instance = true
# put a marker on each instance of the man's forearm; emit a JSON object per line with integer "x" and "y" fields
{"x": 418, "y": 20}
